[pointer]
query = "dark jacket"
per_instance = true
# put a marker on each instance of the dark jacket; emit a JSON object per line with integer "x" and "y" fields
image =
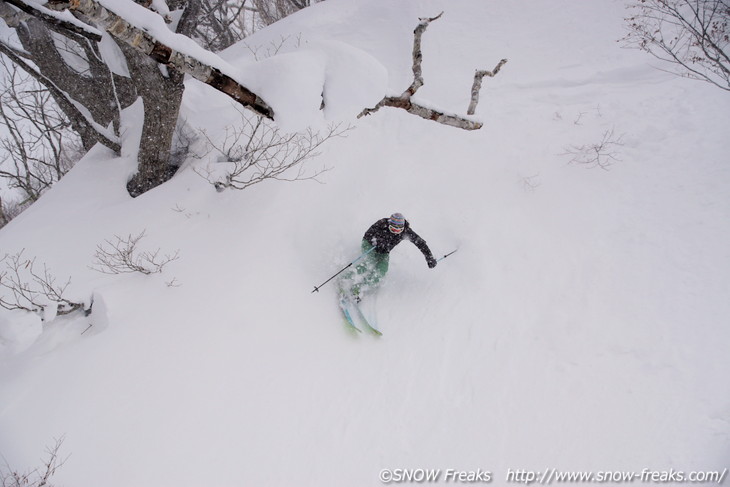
{"x": 384, "y": 240}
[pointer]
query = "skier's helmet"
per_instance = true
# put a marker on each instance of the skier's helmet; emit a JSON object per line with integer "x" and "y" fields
{"x": 396, "y": 223}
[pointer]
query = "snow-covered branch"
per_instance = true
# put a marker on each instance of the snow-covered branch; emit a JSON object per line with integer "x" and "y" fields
{"x": 418, "y": 55}
{"x": 477, "y": 85}
{"x": 405, "y": 101}
{"x": 139, "y": 38}
{"x": 51, "y": 17}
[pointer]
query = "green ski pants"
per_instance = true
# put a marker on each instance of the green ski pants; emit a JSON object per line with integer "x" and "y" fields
{"x": 367, "y": 274}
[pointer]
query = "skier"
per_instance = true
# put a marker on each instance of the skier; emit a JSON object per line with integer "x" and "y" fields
{"x": 378, "y": 241}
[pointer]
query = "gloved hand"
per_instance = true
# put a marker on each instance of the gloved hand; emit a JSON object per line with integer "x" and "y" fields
{"x": 431, "y": 262}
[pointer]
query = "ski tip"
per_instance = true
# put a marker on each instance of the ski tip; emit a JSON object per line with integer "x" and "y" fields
{"x": 349, "y": 322}
{"x": 352, "y": 327}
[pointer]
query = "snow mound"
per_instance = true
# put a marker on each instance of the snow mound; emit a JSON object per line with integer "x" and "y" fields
{"x": 322, "y": 81}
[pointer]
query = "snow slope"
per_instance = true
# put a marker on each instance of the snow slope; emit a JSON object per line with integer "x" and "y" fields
{"x": 582, "y": 325}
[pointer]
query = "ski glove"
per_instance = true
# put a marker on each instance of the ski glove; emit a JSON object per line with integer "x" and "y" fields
{"x": 431, "y": 262}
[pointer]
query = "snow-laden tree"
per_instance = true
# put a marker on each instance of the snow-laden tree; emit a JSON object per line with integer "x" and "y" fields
{"x": 92, "y": 76}
{"x": 97, "y": 57}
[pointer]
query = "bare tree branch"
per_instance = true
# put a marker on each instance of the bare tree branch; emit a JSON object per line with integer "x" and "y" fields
{"x": 418, "y": 55}
{"x": 405, "y": 102}
{"x": 477, "y": 85}
{"x": 694, "y": 35}
{"x": 38, "y": 477}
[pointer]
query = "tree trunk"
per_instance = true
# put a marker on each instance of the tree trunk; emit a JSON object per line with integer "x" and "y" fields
{"x": 95, "y": 90}
{"x": 162, "y": 96}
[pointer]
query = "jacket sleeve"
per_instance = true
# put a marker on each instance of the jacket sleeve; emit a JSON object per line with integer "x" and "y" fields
{"x": 420, "y": 243}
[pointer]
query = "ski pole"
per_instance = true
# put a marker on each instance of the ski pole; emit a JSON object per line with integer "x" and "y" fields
{"x": 316, "y": 288}
{"x": 442, "y": 258}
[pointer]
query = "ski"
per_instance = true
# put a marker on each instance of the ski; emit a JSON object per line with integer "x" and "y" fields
{"x": 367, "y": 324}
{"x": 349, "y": 321}
{"x": 353, "y": 314}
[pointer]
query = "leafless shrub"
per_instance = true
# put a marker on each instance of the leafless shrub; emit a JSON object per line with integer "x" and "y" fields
{"x": 600, "y": 154}
{"x": 694, "y": 35}
{"x": 38, "y": 477}
{"x": 256, "y": 150}
{"x": 32, "y": 290}
{"x": 122, "y": 256}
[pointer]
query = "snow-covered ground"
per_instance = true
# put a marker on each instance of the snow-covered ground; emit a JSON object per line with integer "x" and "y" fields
{"x": 583, "y": 324}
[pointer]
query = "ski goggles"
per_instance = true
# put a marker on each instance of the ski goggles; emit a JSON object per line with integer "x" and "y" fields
{"x": 396, "y": 229}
